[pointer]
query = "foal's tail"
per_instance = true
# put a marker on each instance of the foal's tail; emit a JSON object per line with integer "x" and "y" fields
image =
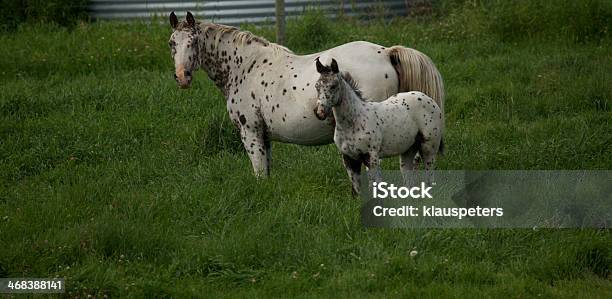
{"x": 416, "y": 72}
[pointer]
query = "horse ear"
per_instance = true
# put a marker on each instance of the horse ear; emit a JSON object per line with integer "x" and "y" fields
{"x": 173, "y": 20}
{"x": 190, "y": 19}
{"x": 320, "y": 67}
{"x": 334, "y": 66}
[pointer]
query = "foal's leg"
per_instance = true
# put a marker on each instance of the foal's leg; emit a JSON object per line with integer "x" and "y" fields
{"x": 374, "y": 174}
{"x": 353, "y": 168}
{"x": 255, "y": 145}
{"x": 407, "y": 163}
{"x": 268, "y": 149}
{"x": 428, "y": 153}
{"x": 416, "y": 161}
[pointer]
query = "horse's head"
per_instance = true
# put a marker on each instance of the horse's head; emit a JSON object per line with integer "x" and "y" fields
{"x": 185, "y": 48}
{"x": 327, "y": 87}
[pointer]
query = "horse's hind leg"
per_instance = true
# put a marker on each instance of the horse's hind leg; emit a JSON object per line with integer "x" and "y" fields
{"x": 407, "y": 160}
{"x": 429, "y": 149}
{"x": 416, "y": 162}
{"x": 418, "y": 141}
{"x": 255, "y": 145}
{"x": 268, "y": 149}
{"x": 353, "y": 168}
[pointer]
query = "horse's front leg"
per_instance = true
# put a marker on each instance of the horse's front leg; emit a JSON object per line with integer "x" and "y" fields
{"x": 373, "y": 164}
{"x": 257, "y": 147}
{"x": 353, "y": 168}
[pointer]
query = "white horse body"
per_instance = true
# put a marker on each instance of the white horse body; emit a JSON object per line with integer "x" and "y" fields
{"x": 294, "y": 121}
{"x": 390, "y": 127}
{"x": 270, "y": 90}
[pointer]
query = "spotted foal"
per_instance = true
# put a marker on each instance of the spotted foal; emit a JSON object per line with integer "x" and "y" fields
{"x": 404, "y": 124}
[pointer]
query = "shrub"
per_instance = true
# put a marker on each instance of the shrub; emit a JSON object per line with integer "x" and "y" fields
{"x": 310, "y": 32}
{"x": 577, "y": 21}
{"x": 61, "y": 12}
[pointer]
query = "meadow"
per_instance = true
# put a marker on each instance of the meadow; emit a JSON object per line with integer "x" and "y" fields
{"x": 112, "y": 177}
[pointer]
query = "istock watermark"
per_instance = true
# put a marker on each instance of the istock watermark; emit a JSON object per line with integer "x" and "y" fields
{"x": 494, "y": 199}
{"x": 384, "y": 190}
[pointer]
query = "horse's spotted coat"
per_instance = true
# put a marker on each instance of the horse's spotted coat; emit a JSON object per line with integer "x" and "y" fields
{"x": 269, "y": 91}
{"x": 365, "y": 132}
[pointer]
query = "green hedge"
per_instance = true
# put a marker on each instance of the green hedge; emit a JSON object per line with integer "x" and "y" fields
{"x": 580, "y": 20}
{"x": 61, "y": 12}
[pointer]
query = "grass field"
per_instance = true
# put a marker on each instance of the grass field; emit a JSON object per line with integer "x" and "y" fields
{"x": 126, "y": 186}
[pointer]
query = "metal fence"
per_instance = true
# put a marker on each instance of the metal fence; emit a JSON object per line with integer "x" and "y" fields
{"x": 237, "y": 12}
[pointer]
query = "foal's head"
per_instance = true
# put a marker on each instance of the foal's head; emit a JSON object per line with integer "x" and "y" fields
{"x": 327, "y": 87}
{"x": 185, "y": 48}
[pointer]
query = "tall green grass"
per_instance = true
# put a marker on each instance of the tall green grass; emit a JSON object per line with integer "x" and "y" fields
{"x": 115, "y": 179}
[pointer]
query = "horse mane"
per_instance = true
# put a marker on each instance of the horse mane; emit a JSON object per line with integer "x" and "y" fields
{"x": 237, "y": 35}
{"x": 353, "y": 84}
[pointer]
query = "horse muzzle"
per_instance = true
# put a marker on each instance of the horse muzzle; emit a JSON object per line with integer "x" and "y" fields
{"x": 321, "y": 112}
{"x": 184, "y": 84}
{"x": 183, "y": 77}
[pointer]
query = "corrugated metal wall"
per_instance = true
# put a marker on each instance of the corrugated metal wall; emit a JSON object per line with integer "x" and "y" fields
{"x": 236, "y": 12}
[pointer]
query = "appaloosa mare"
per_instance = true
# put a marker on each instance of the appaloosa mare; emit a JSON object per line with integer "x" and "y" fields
{"x": 270, "y": 90}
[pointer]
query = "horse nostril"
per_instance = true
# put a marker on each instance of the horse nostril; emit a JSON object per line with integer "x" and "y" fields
{"x": 188, "y": 73}
{"x": 175, "y": 77}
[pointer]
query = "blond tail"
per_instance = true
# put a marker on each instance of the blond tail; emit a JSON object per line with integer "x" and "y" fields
{"x": 417, "y": 72}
